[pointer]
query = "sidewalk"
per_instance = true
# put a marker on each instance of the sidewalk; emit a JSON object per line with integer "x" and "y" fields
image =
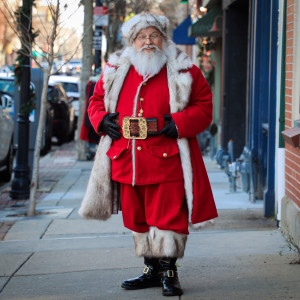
{"x": 57, "y": 255}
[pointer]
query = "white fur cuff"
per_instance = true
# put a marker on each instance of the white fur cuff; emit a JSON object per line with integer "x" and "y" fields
{"x": 159, "y": 243}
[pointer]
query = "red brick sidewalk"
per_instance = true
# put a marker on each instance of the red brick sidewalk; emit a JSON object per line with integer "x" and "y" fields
{"x": 53, "y": 167}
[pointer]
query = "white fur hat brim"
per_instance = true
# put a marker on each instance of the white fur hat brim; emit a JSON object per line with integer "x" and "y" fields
{"x": 133, "y": 26}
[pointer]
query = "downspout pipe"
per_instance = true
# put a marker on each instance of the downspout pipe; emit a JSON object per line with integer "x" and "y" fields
{"x": 269, "y": 195}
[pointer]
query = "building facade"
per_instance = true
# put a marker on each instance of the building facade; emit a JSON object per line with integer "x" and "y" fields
{"x": 290, "y": 204}
{"x": 260, "y": 100}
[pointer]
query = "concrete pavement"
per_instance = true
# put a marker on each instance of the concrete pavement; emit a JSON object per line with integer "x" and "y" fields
{"x": 57, "y": 255}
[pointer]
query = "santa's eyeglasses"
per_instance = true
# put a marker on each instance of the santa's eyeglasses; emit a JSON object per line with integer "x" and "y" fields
{"x": 152, "y": 37}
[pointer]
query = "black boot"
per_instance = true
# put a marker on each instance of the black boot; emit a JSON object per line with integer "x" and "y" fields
{"x": 170, "y": 282}
{"x": 150, "y": 277}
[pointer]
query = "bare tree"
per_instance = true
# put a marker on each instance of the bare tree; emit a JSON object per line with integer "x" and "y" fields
{"x": 7, "y": 37}
{"x": 49, "y": 34}
{"x": 86, "y": 71}
{"x": 116, "y": 15}
{"x": 137, "y": 6}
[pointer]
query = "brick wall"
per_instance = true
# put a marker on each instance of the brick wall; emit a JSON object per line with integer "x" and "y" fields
{"x": 292, "y": 160}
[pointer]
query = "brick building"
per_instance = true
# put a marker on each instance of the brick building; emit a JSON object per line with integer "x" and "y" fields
{"x": 290, "y": 205}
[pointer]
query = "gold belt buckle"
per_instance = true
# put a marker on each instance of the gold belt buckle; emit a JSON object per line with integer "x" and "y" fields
{"x": 142, "y": 122}
{"x": 170, "y": 273}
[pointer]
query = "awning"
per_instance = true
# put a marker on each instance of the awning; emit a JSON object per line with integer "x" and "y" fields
{"x": 180, "y": 33}
{"x": 205, "y": 27}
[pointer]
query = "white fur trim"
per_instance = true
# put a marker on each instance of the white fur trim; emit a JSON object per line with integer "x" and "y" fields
{"x": 133, "y": 156}
{"x": 179, "y": 90}
{"x": 176, "y": 57}
{"x": 202, "y": 225}
{"x": 159, "y": 243}
{"x": 116, "y": 79}
{"x": 184, "y": 83}
{"x": 133, "y": 26}
{"x": 180, "y": 83}
{"x": 96, "y": 204}
{"x": 187, "y": 169}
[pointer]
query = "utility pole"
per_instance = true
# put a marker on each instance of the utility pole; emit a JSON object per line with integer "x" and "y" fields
{"x": 98, "y": 44}
{"x": 20, "y": 187}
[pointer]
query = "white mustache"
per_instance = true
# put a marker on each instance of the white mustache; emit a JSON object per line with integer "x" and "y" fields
{"x": 148, "y": 47}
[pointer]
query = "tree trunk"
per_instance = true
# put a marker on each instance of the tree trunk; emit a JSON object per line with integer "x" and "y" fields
{"x": 86, "y": 72}
{"x": 37, "y": 148}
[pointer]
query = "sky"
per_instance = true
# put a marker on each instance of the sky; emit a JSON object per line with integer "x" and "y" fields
{"x": 72, "y": 17}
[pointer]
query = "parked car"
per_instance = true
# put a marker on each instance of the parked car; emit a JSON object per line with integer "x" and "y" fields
{"x": 6, "y": 143}
{"x": 59, "y": 111}
{"x": 72, "y": 86}
{"x": 73, "y": 67}
{"x": 7, "y": 71}
{"x": 64, "y": 113}
{"x": 60, "y": 66}
{"x": 45, "y": 65}
{"x": 7, "y": 87}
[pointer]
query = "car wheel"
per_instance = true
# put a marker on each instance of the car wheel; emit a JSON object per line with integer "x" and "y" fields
{"x": 47, "y": 146}
{"x": 47, "y": 137}
{"x": 6, "y": 175}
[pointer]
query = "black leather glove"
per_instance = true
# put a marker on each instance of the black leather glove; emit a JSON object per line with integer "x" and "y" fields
{"x": 170, "y": 130}
{"x": 109, "y": 127}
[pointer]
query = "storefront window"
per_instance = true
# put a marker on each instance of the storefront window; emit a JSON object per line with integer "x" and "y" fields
{"x": 206, "y": 57}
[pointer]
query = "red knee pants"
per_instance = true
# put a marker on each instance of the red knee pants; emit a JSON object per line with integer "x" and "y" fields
{"x": 160, "y": 205}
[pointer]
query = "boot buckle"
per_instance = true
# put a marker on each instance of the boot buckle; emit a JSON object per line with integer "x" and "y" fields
{"x": 170, "y": 273}
{"x": 146, "y": 270}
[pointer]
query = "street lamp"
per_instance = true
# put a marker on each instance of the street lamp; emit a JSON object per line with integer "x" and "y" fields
{"x": 20, "y": 186}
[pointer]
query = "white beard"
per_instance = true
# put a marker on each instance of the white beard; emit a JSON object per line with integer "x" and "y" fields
{"x": 147, "y": 63}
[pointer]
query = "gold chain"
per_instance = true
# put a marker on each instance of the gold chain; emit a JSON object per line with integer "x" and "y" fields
{"x": 140, "y": 114}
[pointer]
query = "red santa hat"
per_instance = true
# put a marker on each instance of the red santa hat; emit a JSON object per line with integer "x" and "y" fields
{"x": 133, "y": 26}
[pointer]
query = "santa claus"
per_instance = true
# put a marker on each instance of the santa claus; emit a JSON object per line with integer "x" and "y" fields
{"x": 148, "y": 105}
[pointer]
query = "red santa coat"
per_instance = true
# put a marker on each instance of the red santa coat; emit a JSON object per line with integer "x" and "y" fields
{"x": 180, "y": 90}
{"x": 150, "y": 165}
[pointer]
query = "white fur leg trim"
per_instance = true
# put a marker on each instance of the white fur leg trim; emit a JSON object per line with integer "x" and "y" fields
{"x": 142, "y": 247}
{"x": 202, "y": 225}
{"x": 159, "y": 243}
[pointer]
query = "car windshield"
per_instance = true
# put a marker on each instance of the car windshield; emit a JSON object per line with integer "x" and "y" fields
{"x": 7, "y": 86}
{"x": 70, "y": 87}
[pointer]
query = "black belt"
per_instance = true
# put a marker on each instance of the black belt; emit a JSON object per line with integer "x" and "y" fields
{"x": 140, "y": 127}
